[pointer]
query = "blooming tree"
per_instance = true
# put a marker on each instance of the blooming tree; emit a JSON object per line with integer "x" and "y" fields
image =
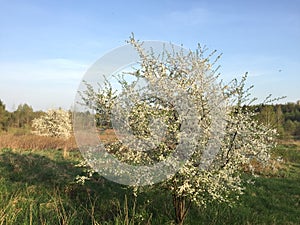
{"x": 222, "y": 138}
{"x": 54, "y": 123}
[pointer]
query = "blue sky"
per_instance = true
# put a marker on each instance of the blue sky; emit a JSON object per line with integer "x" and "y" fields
{"x": 46, "y": 46}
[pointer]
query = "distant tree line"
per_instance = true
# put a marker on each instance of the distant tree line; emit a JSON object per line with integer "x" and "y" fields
{"x": 283, "y": 117}
{"x": 20, "y": 118}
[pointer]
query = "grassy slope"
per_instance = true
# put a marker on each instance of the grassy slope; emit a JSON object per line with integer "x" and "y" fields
{"x": 36, "y": 187}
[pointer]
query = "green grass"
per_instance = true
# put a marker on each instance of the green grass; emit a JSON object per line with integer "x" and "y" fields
{"x": 37, "y": 187}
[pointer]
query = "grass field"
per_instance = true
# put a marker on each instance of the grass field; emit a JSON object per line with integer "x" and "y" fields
{"x": 37, "y": 187}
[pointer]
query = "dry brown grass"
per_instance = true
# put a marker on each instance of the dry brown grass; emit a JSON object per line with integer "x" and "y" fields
{"x": 34, "y": 142}
{"x": 25, "y": 140}
{"x": 107, "y": 135}
{"x": 289, "y": 142}
{"x": 271, "y": 169}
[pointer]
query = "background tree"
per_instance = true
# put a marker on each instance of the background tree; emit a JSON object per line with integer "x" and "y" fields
{"x": 279, "y": 121}
{"x": 4, "y": 117}
{"x": 244, "y": 138}
{"x": 290, "y": 120}
{"x": 54, "y": 123}
{"x": 268, "y": 116}
{"x": 290, "y": 127}
{"x": 23, "y": 116}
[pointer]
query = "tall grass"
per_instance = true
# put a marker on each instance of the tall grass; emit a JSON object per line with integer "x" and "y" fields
{"x": 34, "y": 142}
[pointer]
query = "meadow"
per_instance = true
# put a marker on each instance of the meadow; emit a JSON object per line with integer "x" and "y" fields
{"x": 37, "y": 186}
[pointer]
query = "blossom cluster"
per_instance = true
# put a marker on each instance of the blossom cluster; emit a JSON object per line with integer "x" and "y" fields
{"x": 54, "y": 123}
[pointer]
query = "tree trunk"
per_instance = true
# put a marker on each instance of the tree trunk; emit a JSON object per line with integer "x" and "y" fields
{"x": 180, "y": 208}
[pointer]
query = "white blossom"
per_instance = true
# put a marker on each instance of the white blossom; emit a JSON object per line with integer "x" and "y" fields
{"x": 54, "y": 123}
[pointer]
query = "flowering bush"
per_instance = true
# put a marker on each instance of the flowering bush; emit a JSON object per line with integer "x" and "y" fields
{"x": 55, "y": 123}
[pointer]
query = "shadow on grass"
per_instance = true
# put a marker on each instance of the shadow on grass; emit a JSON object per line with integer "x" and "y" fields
{"x": 47, "y": 178}
{"x": 48, "y": 170}
{"x": 34, "y": 169}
